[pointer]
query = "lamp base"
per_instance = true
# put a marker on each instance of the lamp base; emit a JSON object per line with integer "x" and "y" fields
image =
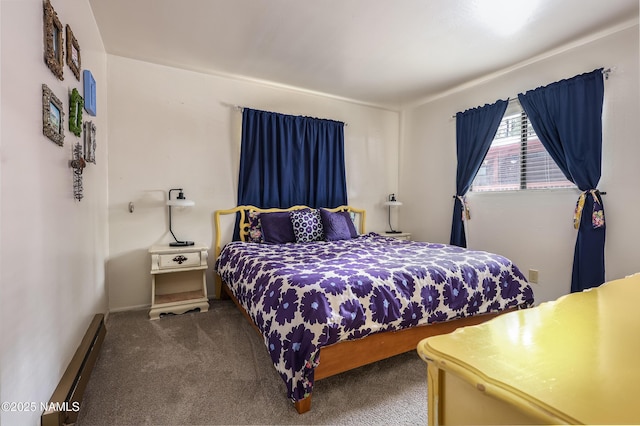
{"x": 181, "y": 243}
{"x": 393, "y": 232}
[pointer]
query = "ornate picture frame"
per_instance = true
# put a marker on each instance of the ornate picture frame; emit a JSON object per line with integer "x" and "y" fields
{"x": 89, "y": 92}
{"x": 52, "y": 116}
{"x": 73, "y": 53}
{"x": 53, "y": 41}
{"x": 90, "y": 142}
{"x": 76, "y": 103}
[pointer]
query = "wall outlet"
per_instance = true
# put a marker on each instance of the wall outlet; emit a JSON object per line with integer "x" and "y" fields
{"x": 533, "y": 276}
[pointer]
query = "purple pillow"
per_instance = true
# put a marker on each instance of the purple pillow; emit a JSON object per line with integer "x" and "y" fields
{"x": 277, "y": 228}
{"x": 337, "y": 225}
{"x": 307, "y": 225}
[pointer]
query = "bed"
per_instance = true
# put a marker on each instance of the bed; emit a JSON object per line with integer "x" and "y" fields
{"x": 325, "y": 307}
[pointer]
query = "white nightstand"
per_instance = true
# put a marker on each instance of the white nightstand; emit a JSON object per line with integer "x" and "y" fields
{"x": 178, "y": 279}
{"x": 399, "y": 235}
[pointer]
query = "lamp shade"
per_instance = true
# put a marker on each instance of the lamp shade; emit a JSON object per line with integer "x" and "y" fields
{"x": 181, "y": 202}
{"x": 392, "y": 201}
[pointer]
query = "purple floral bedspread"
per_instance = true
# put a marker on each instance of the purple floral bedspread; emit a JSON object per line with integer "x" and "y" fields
{"x": 308, "y": 295}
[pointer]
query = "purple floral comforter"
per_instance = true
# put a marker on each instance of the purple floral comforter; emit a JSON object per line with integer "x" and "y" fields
{"x": 308, "y": 295}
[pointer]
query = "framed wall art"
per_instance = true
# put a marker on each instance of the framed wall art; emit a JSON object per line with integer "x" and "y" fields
{"x": 52, "y": 116}
{"x": 73, "y": 53}
{"x": 90, "y": 142}
{"x": 89, "y": 92}
{"x": 76, "y": 103}
{"x": 53, "y": 41}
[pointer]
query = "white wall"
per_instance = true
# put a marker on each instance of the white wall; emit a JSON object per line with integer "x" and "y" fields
{"x": 173, "y": 128}
{"x": 534, "y": 229}
{"x": 53, "y": 248}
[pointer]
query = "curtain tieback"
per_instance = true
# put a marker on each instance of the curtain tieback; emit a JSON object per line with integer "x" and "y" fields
{"x": 597, "y": 216}
{"x": 466, "y": 213}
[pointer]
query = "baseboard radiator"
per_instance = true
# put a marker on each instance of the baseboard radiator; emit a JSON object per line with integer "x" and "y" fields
{"x": 64, "y": 404}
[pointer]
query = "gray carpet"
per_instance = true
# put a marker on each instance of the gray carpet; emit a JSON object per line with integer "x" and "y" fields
{"x": 212, "y": 368}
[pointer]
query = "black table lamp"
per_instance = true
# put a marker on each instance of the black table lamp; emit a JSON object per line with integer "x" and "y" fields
{"x": 392, "y": 202}
{"x": 179, "y": 201}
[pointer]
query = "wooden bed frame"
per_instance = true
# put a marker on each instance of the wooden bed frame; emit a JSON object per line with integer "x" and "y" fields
{"x": 347, "y": 355}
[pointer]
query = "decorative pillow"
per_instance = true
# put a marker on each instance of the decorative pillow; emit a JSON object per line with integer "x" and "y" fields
{"x": 307, "y": 225}
{"x": 352, "y": 216}
{"x": 337, "y": 225}
{"x": 277, "y": 228}
{"x": 255, "y": 227}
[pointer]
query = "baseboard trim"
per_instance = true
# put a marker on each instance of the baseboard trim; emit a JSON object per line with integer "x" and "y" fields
{"x": 65, "y": 402}
{"x": 130, "y": 308}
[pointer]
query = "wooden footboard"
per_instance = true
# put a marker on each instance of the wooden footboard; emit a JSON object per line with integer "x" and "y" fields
{"x": 347, "y": 355}
{"x": 350, "y": 354}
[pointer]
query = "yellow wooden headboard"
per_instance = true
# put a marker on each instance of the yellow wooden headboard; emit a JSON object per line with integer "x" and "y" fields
{"x": 243, "y": 224}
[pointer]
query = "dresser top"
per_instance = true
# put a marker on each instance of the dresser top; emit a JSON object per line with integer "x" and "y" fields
{"x": 576, "y": 359}
{"x": 166, "y": 248}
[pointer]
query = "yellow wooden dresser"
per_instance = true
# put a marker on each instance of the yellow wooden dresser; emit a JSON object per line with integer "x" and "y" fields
{"x": 575, "y": 360}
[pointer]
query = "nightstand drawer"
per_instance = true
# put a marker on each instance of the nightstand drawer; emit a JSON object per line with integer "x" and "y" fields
{"x": 179, "y": 260}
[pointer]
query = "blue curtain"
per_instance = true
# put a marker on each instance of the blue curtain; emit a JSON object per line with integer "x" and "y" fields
{"x": 567, "y": 117}
{"x": 287, "y": 160}
{"x": 475, "y": 129}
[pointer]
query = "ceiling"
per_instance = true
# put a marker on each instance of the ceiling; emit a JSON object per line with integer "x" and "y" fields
{"x": 375, "y": 52}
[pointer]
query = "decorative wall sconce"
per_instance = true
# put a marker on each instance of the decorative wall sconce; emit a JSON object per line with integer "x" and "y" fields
{"x": 392, "y": 201}
{"x": 179, "y": 201}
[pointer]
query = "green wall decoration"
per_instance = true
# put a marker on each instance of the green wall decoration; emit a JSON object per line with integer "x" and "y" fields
{"x": 76, "y": 103}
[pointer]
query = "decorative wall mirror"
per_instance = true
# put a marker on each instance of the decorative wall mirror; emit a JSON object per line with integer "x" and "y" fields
{"x": 52, "y": 116}
{"x": 53, "y": 41}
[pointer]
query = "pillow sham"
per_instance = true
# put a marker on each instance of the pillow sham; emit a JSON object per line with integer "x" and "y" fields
{"x": 307, "y": 225}
{"x": 255, "y": 227}
{"x": 277, "y": 228}
{"x": 337, "y": 225}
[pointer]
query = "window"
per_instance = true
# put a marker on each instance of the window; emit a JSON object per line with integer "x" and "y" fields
{"x": 517, "y": 159}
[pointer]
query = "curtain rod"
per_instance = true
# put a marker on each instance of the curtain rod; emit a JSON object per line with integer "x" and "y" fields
{"x": 241, "y": 108}
{"x": 601, "y": 192}
{"x": 511, "y": 99}
{"x": 605, "y": 72}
